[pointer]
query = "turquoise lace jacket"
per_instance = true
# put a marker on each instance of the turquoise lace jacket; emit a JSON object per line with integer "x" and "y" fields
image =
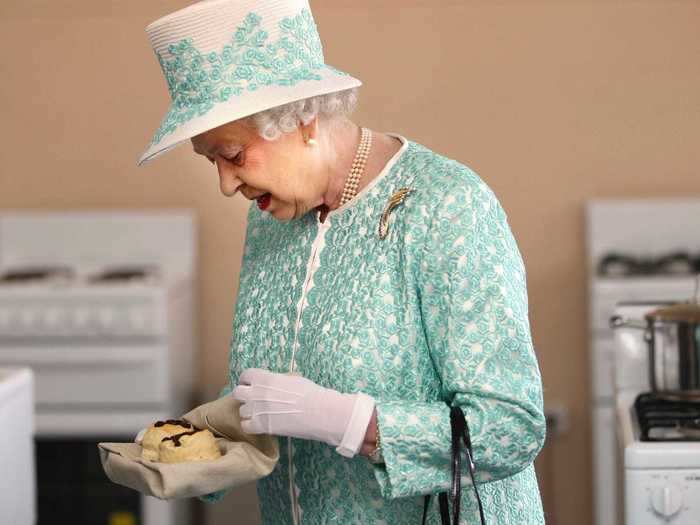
{"x": 435, "y": 312}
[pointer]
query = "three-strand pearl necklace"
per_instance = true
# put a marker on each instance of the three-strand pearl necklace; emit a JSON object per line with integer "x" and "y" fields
{"x": 358, "y": 167}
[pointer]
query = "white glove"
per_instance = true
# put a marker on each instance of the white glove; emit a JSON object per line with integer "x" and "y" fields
{"x": 291, "y": 405}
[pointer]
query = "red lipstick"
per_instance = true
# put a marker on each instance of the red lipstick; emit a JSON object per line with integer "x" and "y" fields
{"x": 264, "y": 201}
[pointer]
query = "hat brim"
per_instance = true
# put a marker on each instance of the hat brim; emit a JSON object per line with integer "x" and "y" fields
{"x": 263, "y": 98}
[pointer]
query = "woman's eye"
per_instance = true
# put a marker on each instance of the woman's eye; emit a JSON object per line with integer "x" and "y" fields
{"x": 238, "y": 158}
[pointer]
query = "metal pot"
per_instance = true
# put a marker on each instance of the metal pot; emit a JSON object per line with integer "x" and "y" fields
{"x": 672, "y": 335}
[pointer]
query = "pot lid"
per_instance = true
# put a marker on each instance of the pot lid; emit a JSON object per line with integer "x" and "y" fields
{"x": 679, "y": 313}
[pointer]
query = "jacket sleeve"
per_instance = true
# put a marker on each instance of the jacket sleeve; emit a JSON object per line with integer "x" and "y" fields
{"x": 214, "y": 497}
{"x": 217, "y": 496}
{"x": 473, "y": 304}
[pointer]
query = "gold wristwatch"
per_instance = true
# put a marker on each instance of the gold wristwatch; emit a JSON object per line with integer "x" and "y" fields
{"x": 376, "y": 456}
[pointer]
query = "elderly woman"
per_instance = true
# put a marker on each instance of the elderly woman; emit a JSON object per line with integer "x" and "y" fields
{"x": 380, "y": 282}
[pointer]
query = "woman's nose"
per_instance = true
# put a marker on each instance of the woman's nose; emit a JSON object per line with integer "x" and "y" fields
{"x": 229, "y": 183}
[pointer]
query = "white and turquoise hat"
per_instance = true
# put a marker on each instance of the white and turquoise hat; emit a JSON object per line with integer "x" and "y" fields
{"x": 228, "y": 59}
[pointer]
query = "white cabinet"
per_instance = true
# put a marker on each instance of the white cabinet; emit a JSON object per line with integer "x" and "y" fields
{"x": 17, "y": 482}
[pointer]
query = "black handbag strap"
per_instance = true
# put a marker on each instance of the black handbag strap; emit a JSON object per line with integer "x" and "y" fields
{"x": 444, "y": 509}
{"x": 460, "y": 435}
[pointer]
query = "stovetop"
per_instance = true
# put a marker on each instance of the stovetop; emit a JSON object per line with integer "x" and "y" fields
{"x": 668, "y": 417}
{"x": 655, "y": 454}
{"x": 112, "y": 275}
{"x": 35, "y": 273}
{"x": 680, "y": 263}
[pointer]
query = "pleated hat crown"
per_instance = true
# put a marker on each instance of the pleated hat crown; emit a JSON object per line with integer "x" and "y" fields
{"x": 227, "y": 59}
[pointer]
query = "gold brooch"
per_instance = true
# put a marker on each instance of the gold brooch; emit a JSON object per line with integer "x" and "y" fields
{"x": 396, "y": 199}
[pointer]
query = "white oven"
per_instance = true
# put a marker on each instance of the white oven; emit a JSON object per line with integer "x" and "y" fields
{"x": 658, "y": 437}
{"x": 100, "y": 306}
{"x": 638, "y": 250}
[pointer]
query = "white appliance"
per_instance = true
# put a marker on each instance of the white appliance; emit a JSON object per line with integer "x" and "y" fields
{"x": 660, "y": 480}
{"x": 17, "y": 495}
{"x": 644, "y": 229}
{"x": 100, "y": 306}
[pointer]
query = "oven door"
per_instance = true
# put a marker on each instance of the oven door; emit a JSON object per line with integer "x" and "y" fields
{"x": 79, "y": 374}
{"x": 73, "y": 489}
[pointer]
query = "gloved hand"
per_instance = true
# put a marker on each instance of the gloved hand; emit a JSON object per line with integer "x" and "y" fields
{"x": 291, "y": 405}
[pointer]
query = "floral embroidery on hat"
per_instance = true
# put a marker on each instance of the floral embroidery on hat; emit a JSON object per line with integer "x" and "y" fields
{"x": 198, "y": 81}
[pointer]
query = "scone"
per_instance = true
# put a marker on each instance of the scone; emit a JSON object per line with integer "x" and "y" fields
{"x": 159, "y": 431}
{"x": 197, "y": 445}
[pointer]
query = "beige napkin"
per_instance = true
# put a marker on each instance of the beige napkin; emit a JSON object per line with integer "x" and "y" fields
{"x": 245, "y": 458}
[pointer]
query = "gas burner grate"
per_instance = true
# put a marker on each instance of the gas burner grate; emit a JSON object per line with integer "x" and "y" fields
{"x": 124, "y": 274}
{"x": 668, "y": 417}
{"x": 27, "y": 275}
{"x": 624, "y": 265}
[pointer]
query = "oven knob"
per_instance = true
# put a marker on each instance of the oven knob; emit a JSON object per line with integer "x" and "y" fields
{"x": 5, "y": 320}
{"x": 83, "y": 321}
{"x": 29, "y": 318}
{"x": 138, "y": 320}
{"x": 106, "y": 317}
{"x": 52, "y": 317}
{"x": 81, "y": 318}
{"x": 666, "y": 501}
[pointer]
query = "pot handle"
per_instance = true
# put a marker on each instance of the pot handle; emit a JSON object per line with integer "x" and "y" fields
{"x": 617, "y": 321}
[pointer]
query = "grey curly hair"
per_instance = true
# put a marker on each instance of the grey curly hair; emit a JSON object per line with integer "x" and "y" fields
{"x": 271, "y": 123}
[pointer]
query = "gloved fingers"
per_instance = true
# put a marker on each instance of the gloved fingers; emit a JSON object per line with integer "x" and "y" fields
{"x": 254, "y": 376}
{"x": 246, "y": 411}
{"x": 251, "y": 426}
{"x": 242, "y": 393}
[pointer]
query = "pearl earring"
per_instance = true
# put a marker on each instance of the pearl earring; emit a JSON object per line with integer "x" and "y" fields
{"x": 311, "y": 142}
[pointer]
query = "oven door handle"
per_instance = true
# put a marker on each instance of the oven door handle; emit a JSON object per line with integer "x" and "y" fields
{"x": 95, "y": 358}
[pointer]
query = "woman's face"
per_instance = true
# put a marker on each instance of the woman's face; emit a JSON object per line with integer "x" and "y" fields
{"x": 283, "y": 176}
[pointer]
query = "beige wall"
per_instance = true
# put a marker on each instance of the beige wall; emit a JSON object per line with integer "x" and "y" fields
{"x": 552, "y": 102}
